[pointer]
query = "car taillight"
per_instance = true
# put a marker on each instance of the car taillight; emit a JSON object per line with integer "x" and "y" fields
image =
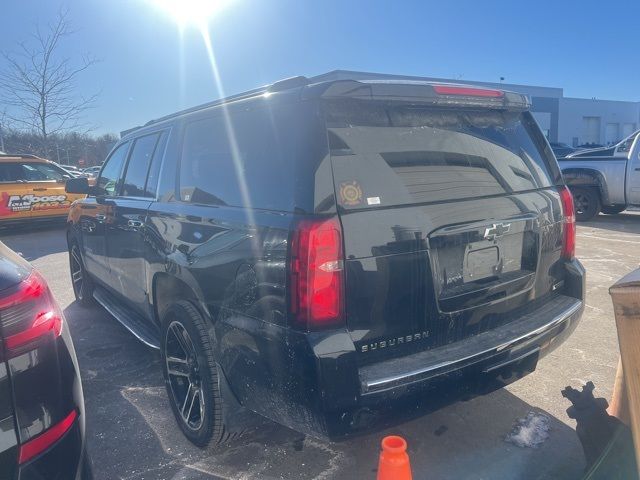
{"x": 34, "y": 447}
{"x": 317, "y": 274}
{"x": 569, "y": 226}
{"x": 467, "y": 91}
{"x": 29, "y": 314}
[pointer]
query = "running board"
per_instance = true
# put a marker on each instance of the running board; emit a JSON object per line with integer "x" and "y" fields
{"x": 133, "y": 322}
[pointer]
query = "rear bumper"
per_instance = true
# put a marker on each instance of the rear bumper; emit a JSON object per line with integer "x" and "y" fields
{"x": 410, "y": 386}
{"x": 323, "y": 391}
{"x": 532, "y": 333}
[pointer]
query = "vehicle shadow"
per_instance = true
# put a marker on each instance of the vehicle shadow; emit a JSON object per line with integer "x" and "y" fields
{"x": 132, "y": 433}
{"x": 626, "y": 222}
{"x": 35, "y": 241}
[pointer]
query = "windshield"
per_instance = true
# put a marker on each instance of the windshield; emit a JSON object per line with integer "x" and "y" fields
{"x": 31, "y": 172}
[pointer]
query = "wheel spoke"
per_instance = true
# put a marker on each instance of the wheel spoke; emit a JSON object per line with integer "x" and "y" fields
{"x": 177, "y": 367}
{"x": 201, "y": 403}
{"x": 177, "y": 333}
{"x": 196, "y": 393}
{"x": 188, "y": 400}
{"x": 76, "y": 257}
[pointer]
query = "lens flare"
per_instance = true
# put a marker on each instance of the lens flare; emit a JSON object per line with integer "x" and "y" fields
{"x": 191, "y": 12}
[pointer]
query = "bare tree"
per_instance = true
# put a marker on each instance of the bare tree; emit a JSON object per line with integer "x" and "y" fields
{"x": 40, "y": 88}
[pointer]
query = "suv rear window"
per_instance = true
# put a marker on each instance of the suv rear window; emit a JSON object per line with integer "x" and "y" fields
{"x": 385, "y": 154}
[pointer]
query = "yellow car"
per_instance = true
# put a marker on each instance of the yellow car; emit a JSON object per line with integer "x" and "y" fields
{"x": 32, "y": 188}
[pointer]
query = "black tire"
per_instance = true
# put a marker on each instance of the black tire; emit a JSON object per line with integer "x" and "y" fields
{"x": 80, "y": 280}
{"x": 613, "y": 209}
{"x": 192, "y": 371}
{"x": 587, "y": 203}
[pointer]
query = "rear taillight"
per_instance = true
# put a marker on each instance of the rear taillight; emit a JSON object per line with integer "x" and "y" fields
{"x": 467, "y": 91}
{"x": 569, "y": 226}
{"x": 46, "y": 439}
{"x": 317, "y": 274}
{"x": 28, "y": 315}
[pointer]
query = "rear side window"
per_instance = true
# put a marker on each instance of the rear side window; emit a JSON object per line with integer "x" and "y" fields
{"x": 107, "y": 182}
{"x": 151, "y": 186}
{"x": 242, "y": 163}
{"x": 136, "y": 175}
{"x": 385, "y": 155}
{"x": 11, "y": 172}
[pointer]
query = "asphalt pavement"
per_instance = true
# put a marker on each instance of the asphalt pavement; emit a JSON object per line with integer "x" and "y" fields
{"x": 132, "y": 434}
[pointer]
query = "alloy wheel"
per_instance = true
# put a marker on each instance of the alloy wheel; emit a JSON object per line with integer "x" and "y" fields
{"x": 183, "y": 375}
{"x": 77, "y": 272}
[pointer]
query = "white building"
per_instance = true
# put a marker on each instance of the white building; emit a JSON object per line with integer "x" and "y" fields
{"x": 574, "y": 121}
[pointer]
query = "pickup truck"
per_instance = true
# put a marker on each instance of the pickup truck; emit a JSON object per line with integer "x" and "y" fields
{"x": 605, "y": 179}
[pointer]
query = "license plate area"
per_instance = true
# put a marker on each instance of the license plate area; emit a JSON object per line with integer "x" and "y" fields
{"x": 472, "y": 268}
{"x": 480, "y": 263}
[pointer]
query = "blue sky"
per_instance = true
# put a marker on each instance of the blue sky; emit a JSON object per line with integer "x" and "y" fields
{"x": 590, "y": 48}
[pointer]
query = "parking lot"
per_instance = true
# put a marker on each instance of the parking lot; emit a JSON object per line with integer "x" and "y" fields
{"x": 132, "y": 434}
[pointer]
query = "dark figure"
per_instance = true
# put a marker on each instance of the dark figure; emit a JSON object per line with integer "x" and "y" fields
{"x": 595, "y": 427}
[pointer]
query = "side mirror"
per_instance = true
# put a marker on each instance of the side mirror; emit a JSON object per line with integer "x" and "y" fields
{"x": 78, "y": 185}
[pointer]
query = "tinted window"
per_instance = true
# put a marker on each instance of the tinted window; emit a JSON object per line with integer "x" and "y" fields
{"x": 31, "y": 172}
{"x": 42, "y": 172}
{"x": 154, "y": 171}
{"x": 390, "y": 155}
{"x": 110, "y": 173}
{"x": 254, "y": 171}
{"x": 138, "y": 165}
{"x": 11, "y": 172}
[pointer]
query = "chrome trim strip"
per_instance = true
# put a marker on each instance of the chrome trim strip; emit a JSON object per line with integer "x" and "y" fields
{"x": 557, "y": 320}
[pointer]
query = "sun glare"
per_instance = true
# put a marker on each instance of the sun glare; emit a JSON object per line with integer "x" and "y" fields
{"x": 191, "y": 12}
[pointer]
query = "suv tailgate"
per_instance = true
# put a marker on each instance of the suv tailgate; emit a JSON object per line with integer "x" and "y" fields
{"x": 451, "y": 220}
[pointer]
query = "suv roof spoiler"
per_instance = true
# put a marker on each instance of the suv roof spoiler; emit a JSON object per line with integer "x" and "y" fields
{"x": 442, "y": 94}
{"x": 390, "y": 89}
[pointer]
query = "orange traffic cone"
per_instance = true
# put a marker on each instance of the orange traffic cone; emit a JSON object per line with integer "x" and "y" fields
{"x": 394, "y": 461}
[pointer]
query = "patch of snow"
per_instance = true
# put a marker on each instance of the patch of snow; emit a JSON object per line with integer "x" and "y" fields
{"x": 530, "y": 431}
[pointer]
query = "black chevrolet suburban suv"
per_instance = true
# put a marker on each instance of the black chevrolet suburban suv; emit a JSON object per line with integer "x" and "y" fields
{"x": 331, "y": 254}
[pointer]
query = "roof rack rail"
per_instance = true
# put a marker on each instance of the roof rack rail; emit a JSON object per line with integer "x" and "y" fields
{"x": 22, "y": 155}
{"x": 232, "y": 98}
{"x": 126, "y": 132}
{"x": 278, "y": 86}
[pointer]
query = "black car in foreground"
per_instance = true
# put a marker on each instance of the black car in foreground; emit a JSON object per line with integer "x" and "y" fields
{"x": 331, "y": 254}
{"x": 41, "y": 402}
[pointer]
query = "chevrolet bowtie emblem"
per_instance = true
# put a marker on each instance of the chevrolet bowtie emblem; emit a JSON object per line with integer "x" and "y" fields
{"x": 496, "y": 230}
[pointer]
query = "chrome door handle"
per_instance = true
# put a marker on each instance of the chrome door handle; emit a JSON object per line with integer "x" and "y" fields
{"x": 101, "y": 217}
{"x": 134, "y": 223}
